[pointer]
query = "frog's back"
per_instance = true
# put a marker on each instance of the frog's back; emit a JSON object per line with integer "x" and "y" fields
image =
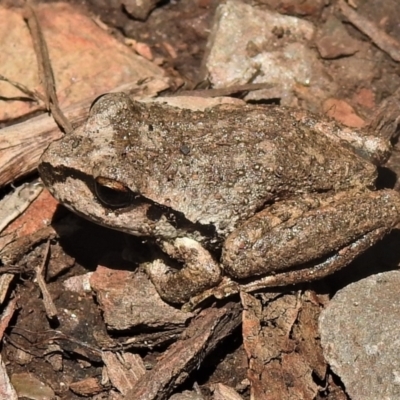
{"x": 222, "y": 165}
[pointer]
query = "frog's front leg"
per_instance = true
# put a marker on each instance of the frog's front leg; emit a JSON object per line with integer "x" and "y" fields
{"x": 199, "y": 273}
{"x": 309, "y": 237}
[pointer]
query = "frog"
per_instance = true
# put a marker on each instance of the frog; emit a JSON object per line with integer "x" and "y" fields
{"x": 237, "y": 197}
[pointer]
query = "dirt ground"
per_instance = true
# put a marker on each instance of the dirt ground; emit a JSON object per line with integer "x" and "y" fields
{"x": 68, "y": 353}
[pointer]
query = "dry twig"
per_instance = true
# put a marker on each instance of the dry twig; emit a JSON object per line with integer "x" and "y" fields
{"x": 385, "y": 42}
{"x": 49, "y": 306}
{"x": 45, "y": 71}
{"x": 204, "y": 333}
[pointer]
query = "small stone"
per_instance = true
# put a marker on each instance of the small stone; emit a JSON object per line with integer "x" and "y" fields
{"x": 140, "y": 9}
{"x": 248, "y": 44}
{"x": 334, "y": 41}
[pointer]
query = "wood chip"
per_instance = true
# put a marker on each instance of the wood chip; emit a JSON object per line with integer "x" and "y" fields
{"x": 15, "y": 203}
{"x": 200, "y": 339}
{"x": 276, "y": 369}
{"x": 86, "y": 387}
{"x": 123, "y": 371}
{"x": 7, "y": 391}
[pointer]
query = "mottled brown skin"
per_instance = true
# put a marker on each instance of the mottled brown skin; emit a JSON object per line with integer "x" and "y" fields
{"x": 262, "y": 183}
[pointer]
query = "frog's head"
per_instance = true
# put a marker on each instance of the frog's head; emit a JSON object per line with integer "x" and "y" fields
{"x": 99, "y": 199}
{"x": 84, "y": 169}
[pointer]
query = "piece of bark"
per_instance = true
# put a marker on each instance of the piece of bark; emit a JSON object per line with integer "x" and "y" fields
{"x": 141, "y": 306}
{"x": 6, "y": 315}
{"x": 223, "y": 392}
{"x": 305, "y": 332}
{"x": 276, "y": 370}
{"x": 7, "y": 390}
{"x": 28, "y": 385}
{"x": 123, "y": 373}
{"x": 86, "y": 59}
{"x": 386, "y": 119}
{"x": 187, "y": 395}
{"x": 16, "y": 202}
{"x": 86, "y": 387}
{"x": 5, "y": 281}
{"x": 342, "y": 112}
{"x": 200, "y": 338}
{"x": 13, "y": 253}
{"x": 17, "y": 236}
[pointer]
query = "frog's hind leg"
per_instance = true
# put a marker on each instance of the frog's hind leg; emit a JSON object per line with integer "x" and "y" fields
{"x": 200, "y": 271}
{"x": 309, "y": 273}
{"x": 309, "y": 237}
{"x": 317, "y": 270}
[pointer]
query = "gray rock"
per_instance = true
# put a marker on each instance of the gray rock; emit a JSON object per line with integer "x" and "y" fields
{"x": 360, "y": 337}
{"x": 249, "y": 44}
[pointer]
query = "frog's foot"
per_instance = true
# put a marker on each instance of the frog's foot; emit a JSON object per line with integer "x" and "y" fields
{"x": 200, "y": 271}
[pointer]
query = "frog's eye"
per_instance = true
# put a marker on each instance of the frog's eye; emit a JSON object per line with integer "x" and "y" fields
{"x": 113, "y": 193}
